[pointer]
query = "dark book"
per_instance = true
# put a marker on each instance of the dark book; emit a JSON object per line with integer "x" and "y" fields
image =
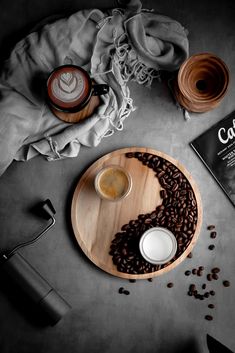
{"x": 216, "y": 148}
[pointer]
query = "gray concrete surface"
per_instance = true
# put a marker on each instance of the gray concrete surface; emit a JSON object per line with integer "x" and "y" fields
{"x": 152, "y": 318}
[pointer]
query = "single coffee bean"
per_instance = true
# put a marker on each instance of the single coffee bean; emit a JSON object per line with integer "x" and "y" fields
{"x": 192, "y": 287}
{"x": 209, "y": 277}
{"x": 148, "y": 221}
{"x": 187, "y": 273}
{"x": 150, "y": 279}
{"x": 138, "y": 155}
{"x": 124, "y": 251}
{"x": 209, "y": 317}
{"x": 226, "y": 283}
{"x": 211, "y": 227}
{"x": 126, "y": 292}
{"x": 213, "y": 235}
{"x": 121, "y": 289}
{"x": 129, "y": 155}
{"x": 199, "y": 273}
{"x": 190, "y": 255}
{"x": 153, "y": 215}
{"x": 175, "y": 187}
{"x": 132, "y": 280}
{"x": 176, "y": 175}
{"x": 212, "y": 292}
{"x": 194, "y": 271}
{"x": 163, "y": 194}
{"x": 160, "y": 175}
{"x": 211, "y": 306}
{"x": 215, "y": 270}
{"x": 206, "y": 294}
{"x": 211, "y": 247}
{"x": 215, "y": 276}
{"x": 170, "y": 285}
{"x": 201, "y": 268}
{"x": 204, "y": 286}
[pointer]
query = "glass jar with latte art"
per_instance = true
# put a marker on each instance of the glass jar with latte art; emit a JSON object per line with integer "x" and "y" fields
{"x": 70, "y": 88}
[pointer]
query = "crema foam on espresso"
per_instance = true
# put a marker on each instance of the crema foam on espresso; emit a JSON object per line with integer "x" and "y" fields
{"x": 113, "y": 183}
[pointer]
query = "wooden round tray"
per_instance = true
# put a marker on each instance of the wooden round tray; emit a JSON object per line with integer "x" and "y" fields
{"x": 95, "y": 221}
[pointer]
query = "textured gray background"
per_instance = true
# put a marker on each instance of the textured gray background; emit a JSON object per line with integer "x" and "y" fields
{"x": 153, "y": 318}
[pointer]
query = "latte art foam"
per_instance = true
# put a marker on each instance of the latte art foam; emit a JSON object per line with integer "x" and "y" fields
{"x": 68, "y": 86}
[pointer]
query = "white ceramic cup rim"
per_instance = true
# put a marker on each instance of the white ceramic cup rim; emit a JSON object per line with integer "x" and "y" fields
{"x": 159, "y": 261}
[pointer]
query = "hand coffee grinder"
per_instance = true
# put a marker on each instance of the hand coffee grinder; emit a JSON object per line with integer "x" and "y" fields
{"x": 29, "y": 280}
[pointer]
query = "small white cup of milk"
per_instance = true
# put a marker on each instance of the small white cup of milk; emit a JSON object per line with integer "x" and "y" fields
{"x": 158, "y": 245}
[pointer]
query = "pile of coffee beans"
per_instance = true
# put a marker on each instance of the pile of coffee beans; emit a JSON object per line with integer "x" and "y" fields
{"x": 178, "y": 213}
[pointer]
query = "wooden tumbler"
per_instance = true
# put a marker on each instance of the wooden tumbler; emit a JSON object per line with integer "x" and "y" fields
{"x": 201, "y": 83}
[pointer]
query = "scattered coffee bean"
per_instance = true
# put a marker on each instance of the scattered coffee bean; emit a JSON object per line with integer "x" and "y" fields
{"x": 226, "y": 283}
{"x": 190, "y": 293}
{"x": 206, "y": 294}
{"x": 215, "y": 270}
{"x": 150, "y": 279}
{"x": 187, "y": 273}
{"x": 201, "y": 268}
{"x": 199, "y": 273}
{"x": 212, "y": 292}
{"x": 215, "y": 276}
{"x": 211, "y": 227}
{"x": 126, "y": 292}
{"x": 209, "y": 317}
{"x": 209, "y": 277}
{"x": 204, "y": 286}
{"x": 211, "y": 306}
{"x": 194, "y": 271}
{"x": 211, "y": 247}
{"x": 190, "y": 255}
{"x": 213, "y": 235}
{"x": 192, "y": 287}
{"x": 170, "y": 285}
{"x": 132, "y": 280}
{"x": 121, "y": 289}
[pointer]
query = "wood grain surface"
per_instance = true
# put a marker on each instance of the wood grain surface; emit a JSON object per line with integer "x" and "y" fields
{"x": 87, "y": 111}
{"x": 202, "y": 82}
{"x": 95, "y": 221}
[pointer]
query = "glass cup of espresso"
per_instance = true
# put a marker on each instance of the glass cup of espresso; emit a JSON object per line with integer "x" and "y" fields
{"x": 113, "y": 183}
{"x": 70, "y": 88}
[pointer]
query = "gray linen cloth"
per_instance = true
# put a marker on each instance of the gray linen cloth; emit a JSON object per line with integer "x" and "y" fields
{"x": 116, "y": 46}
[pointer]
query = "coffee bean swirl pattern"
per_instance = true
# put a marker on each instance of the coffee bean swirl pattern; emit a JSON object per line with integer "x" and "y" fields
{"x": 178, "y": 213}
